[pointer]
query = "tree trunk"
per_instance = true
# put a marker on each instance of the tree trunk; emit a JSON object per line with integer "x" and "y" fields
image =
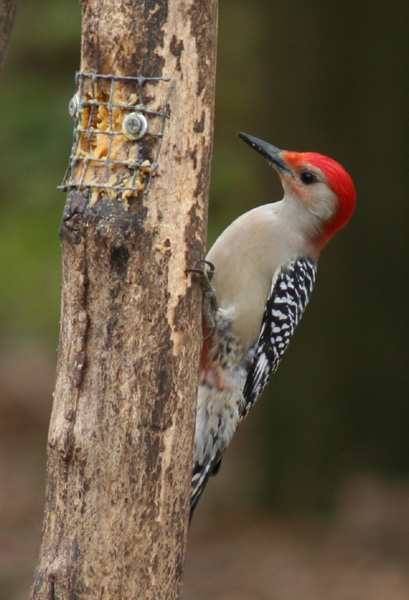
{"x": 121, "y": 433}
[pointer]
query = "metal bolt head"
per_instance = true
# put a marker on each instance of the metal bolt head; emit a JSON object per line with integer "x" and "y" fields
{"x": 73, "y": 106}
{"x": 134, "y": 125}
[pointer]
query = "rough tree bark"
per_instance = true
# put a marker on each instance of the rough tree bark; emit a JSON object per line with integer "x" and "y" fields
{"x": 121, "y": 432}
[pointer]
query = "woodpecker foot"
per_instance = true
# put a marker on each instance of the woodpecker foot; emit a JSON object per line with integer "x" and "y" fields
{"x": 209, "y": 294}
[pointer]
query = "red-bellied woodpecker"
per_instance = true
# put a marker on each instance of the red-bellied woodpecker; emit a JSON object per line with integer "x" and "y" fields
{"x": 265, "y": 264}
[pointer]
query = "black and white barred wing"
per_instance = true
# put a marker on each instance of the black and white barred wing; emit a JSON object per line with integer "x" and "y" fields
{"x": 289, "y": 294}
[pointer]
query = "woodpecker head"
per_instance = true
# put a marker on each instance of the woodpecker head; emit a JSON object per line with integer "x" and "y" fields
{"x": 320, "y": 183}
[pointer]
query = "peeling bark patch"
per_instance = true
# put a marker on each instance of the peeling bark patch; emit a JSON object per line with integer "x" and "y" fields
{"x": 203, "y": 177}
{"x": 150, "y": 5}
{"x": 154, "y": 22}
{"x": 80, "y": 365}
{"x": 107, "y": 215}
{"x": 111, "y": 216}
{"x": 161, "y": 416}
{"x": 71, "y": 227}
{"x": 90, "y": 38}
{"x": 201, "y": 29}
{"x": 182, "y": 310}
{"x": 199, "y": 125}
{"x": 147, "y": 145}
{"x": 152, "y": 446}
{"x": 119, "y": 260}
{"x": 194, "y": 233}
{"x": 80, "y": 362}
{"x": 73, "y": 572}
{"x": 193, "y": 156}
{"x": 177, "y": 49}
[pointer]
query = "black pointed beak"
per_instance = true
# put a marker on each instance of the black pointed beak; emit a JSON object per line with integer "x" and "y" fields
{"x": 270, "y": 152}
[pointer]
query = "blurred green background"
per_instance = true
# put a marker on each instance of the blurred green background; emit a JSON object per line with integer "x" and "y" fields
{"x": 319, "y": 76}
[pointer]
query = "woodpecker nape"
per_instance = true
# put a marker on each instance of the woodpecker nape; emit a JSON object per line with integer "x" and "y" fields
{"x": 265, "y": 264}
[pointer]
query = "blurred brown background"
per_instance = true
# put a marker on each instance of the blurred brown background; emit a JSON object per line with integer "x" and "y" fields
{"x": 312, "y": 500}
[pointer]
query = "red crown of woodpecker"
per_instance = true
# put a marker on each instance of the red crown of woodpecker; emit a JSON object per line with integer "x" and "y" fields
{"x": 339, "y": 181}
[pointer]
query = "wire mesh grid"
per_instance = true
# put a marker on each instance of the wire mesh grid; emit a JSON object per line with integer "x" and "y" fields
{"x": 99, "y": 111}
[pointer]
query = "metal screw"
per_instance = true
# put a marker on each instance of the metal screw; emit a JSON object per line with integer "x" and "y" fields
{"x": 73, "y": 106}
{"x": 134, "y": 126}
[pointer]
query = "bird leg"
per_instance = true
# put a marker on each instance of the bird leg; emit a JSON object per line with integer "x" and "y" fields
{"x": 209, "y": 294}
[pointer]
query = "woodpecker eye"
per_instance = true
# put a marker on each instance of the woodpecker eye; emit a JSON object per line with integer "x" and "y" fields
{"x": 307, "y": 177}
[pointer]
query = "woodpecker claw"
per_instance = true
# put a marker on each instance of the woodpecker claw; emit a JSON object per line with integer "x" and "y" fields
{"x": 209, "y": 295}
